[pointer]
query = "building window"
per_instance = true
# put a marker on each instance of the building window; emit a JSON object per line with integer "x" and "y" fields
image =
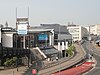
{"x": 56, "y": 36}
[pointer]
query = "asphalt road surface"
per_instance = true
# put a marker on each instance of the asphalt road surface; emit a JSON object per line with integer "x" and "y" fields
{"x": 96, "y": 55}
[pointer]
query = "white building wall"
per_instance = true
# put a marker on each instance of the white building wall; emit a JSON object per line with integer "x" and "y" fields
{"x": 64, "y": 36}
{"x": 7, "y": 40}
{"x": 92, "y": 29}
{"x": 98, "y": 29}
{"x": 0, "y": 35}
{"x": 74, "y": 31}
{"x": 95, "y": 29}
{"x": 78, "y": 32}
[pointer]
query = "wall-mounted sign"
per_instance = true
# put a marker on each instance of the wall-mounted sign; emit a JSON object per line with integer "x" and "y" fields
{"x": 22, "y": 29}
{"x": 42, "y": 37}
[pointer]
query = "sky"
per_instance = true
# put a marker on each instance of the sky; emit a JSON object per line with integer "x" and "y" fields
{"x": 81, "y": 12}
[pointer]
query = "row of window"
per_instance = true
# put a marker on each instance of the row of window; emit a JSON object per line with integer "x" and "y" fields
{"x": 75, "y": 37}
{"x": 75, "y": 34}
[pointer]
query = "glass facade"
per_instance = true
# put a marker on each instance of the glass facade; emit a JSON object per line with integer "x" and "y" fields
{"x": 18, "y": 41}
{"x": 31, "y": 40}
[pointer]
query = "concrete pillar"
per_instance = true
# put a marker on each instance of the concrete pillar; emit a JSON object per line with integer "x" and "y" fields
{"x": 24, "y": 42}
{"x": 62, "y": 45}
{"x": 66, "y": 45}
{"x": 50, "y": 39}
{"x": 48, "y": 59}
{"x": 59, "y": 46}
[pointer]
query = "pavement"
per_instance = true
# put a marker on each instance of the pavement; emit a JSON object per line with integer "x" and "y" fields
{"x": 84, "y": 68}
{"x": 78, "y": 70}
{"x": 14, "y": 71}
{"x": 96, "y": 55}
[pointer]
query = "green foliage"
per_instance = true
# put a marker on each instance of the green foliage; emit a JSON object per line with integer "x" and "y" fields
{"x": 14, "y": 58}
{"x": 70, "y": 50}
{"x": 10, "y": 62}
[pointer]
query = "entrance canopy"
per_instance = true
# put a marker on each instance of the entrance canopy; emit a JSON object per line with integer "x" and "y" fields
{"x": 50, "y": 51}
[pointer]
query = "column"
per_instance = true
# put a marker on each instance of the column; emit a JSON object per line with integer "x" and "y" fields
{"x": 50, "y": 40}
{"x": 62, "y": 45}
{"x": 59, "y": 46}
{"x": 66, "y": 45}
{"x": 24, "y": 42}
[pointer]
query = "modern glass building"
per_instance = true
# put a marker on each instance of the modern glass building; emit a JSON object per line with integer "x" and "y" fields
{"x": 35, "y": 37}
{"x": 61, "y": 33}
{"x": 43, "y": 35}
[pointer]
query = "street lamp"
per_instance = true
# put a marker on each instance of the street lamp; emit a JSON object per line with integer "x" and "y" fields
{"x": 60, "y": 50}
{"x": 89, "y": 54}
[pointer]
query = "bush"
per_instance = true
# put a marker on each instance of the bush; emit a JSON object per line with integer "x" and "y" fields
{"x": 70, "y": 50}
{"x": 10, "y": 62}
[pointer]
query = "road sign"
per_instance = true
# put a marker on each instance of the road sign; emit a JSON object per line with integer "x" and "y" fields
{"x": 22, "y": 29}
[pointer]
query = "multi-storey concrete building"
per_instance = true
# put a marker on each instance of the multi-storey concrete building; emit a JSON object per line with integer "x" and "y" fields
{"x": 78, "y": 32}
{"x": 95, "y": 29}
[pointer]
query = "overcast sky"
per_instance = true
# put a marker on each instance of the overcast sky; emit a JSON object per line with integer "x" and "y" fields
{"x": 82, "y": 12}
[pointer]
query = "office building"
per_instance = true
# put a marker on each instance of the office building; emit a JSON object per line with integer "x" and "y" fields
{"x": 77, "y": 32}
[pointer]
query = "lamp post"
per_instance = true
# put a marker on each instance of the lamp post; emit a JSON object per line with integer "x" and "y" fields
{"x": 60, "y": 51}
{"x": 89, "y": 45}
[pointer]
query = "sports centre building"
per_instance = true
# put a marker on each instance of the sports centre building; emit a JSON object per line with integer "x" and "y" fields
{"x": 45, "y": 37}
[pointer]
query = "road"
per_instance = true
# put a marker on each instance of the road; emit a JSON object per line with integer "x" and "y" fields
{"x": 96, "y": 55}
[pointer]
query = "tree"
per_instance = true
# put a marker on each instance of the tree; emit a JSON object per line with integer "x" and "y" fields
{"x": 70, "y": 50}
{"x": 10, "y": 62}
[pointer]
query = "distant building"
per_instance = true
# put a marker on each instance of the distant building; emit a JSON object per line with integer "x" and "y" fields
{"x": 95, "y": 29}
{"x": 78, "y": 32}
